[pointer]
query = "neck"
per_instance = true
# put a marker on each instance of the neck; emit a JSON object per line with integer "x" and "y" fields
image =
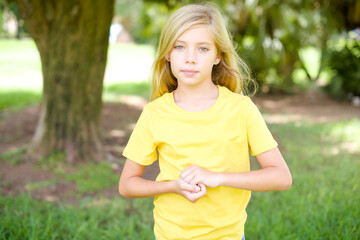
{"x": 194, "y": 93}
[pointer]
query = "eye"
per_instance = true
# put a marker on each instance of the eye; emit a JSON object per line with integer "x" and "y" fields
{"x": 179, "y": 47}
{"x": 204, "y": 49}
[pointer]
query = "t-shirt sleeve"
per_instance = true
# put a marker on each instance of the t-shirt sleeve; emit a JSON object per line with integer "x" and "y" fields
{"x": 141, "y": 147}
{"x": 259, "y": 137}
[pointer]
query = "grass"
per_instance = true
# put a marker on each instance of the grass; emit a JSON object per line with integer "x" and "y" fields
{"x": 13, "y": 156}
{"x": 88, "y": 177}
{"x": 113, "y": 91}
{"x": 92, "y": 177}
{"x": 25, "y": 218}
{"x": 321, "y": 204}
{"x": 18, "y": 99}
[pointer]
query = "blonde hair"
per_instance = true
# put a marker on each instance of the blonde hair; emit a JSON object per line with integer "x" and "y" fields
{"x": 231, "y": 72}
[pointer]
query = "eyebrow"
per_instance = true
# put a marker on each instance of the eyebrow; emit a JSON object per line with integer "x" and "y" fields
{"x": 180, "y": 41}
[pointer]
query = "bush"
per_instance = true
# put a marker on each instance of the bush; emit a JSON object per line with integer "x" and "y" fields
{"x": 344, "y": 59}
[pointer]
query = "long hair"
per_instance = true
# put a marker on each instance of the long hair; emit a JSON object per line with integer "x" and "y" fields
{"x": 231, "y": 72}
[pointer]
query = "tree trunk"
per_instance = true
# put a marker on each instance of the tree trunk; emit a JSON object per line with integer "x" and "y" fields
{"x": 72, "y": 38}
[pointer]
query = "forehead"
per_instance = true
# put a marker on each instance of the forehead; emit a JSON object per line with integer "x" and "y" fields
{"x": 198, "y": 34}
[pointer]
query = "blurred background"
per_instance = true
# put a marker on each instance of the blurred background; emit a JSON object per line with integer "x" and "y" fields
{"x": 304, "y": 54}
{"x": 291, "y": 46}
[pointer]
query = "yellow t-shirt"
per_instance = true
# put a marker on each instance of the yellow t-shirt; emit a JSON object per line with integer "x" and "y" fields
{"x": 218, "y": 139}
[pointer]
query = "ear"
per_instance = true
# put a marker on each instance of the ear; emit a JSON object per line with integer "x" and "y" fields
{"x": 217, "y": 60}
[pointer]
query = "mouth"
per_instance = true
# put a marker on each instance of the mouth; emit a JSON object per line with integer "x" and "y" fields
{"x": 189, "y": 72}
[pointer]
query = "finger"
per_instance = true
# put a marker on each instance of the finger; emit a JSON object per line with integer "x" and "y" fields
{"x": 188, "y": 187}
{"x": 193, "y": 197}
{"x": 194, "y": 180}
{"x": 202, "y": 187}
{"x": 189, "y": 179}
{"x": 189, "y": 169}
{"x": 186, "y": 172}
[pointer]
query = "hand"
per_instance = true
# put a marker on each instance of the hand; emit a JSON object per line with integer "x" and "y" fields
{"x": 192, "y": 192}
{"x": 194, "y": 175}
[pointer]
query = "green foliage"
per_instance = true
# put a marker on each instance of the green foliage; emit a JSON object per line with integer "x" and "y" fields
{"x": 344, "y": 60}
{"x": 271, "y": 35}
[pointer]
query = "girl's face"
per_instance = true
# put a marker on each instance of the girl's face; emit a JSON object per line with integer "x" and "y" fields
{"x": 193, "y": 57}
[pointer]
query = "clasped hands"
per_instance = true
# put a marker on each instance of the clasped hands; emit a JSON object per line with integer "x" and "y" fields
{"x": 193, "y": 182}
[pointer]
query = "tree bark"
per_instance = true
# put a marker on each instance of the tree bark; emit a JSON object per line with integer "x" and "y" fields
{"x": 72, "y": 38}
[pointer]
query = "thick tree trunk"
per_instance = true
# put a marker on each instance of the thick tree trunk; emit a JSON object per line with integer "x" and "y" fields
{"x": 72, "y": 38}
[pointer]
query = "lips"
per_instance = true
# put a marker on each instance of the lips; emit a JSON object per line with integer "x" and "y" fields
{"x": 189, "y": 72}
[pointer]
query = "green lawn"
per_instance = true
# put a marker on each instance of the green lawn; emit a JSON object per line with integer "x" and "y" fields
{"x": 323, "y": 202}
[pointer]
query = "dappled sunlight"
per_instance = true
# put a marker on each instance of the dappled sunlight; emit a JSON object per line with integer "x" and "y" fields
{"x": 288, "y": 118}
{"x": 115, "y": 148}
{"x": 97, "y": 202}
{"x": 312, "y": 108}
{"x": 348, "y": 147}
{"x": 117, "y": 133}
{"x": 281, "y": 118}
{"x": 347, "y": 134}
{"x": 135, "y": 101}
{"x": 50, "y": 198}
{"x": 131, "y": 126}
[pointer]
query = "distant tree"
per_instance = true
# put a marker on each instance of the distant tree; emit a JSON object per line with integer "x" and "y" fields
{"x": 10, "y": 6}
{"x": 72, "y": 38}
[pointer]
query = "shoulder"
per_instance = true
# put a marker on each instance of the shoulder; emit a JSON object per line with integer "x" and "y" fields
{"x": 237, "y": 104}
{"x": 236, "y": 99}
{"x": 159, "y": 104}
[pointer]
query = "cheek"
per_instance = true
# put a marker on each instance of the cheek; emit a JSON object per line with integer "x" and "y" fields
{"x": 209, "y": 64}
{"x": 174, "y": 68}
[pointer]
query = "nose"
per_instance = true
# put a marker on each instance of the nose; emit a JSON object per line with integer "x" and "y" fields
{"x": 190, "y": 56}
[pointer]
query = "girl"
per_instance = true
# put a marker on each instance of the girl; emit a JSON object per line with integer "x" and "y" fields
{"x": 201, "y": 128}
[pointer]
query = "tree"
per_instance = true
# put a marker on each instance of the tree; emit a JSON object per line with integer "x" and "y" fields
{"x": 72, "y": 39}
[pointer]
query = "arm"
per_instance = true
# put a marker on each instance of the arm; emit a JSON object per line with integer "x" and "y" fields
{"x": 274, "y": 175}
{"x": 133, "y": 185}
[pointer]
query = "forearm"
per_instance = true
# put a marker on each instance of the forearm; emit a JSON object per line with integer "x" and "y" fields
{"x": 266, "y": 179}
{"x": 138, "y": 187}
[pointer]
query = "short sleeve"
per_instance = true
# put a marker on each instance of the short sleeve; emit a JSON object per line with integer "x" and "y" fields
{"x": 259, "y": 137}
{"x": 141, "y": 147}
